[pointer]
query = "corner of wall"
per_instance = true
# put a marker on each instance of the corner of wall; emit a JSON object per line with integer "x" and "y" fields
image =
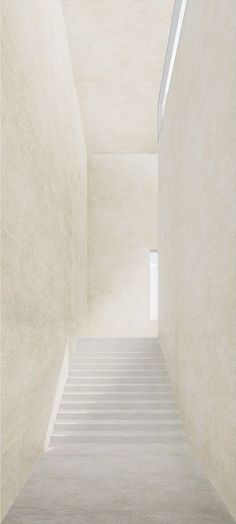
{"x": 57, "y": 398}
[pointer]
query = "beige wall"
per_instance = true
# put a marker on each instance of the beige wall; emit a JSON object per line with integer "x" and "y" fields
{"x": 197, "y": 225}
{"x": 44, "y": 226}
{"x": 122, "y": 228}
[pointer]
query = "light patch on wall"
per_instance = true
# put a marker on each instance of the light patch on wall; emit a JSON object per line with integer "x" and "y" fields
{"x": 153, "y": 283}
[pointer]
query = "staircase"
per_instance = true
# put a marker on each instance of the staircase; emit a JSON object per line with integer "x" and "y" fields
{"x": 117, "y": 391}
{"x": 117, "y": 453}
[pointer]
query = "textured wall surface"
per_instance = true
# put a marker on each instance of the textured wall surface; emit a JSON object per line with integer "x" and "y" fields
{"x": 44, "y": 226}
{"x": 122, "y": 228}
{"x": 197, "y": 245}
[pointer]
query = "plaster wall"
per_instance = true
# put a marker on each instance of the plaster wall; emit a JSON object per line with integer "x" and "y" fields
{"x": 197, "y": 245}
{"x": 122, "y": 228}
{"x": 44, "y": 227}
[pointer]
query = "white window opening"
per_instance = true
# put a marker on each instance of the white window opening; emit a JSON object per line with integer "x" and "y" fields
{"x": 153, "y": 293}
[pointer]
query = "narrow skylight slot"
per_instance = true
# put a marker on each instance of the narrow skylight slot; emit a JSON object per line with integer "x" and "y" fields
{"x": 172, "y": 46}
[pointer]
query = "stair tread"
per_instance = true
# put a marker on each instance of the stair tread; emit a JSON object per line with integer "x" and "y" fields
{"x": 113, "y": 433}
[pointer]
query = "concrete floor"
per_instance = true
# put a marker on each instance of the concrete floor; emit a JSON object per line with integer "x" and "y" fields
{"x": 137, "y": 470}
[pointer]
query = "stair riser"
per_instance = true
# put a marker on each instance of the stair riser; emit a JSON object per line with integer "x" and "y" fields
{"x": 116, "y": 397}
{"x": 119, "y": 348}
{"x": 116, "y": 389}
{"x": 78, "y": 372}
{"x": 117, "y": 342}
{"x": 105, "y": 416}
{"x": 129, "y": 342}
{"x": 100, "y": 371}
{"x": 130, "y": 427}
{"x": 119, "y": 351}
{"x": 132, "y": 355}
{"x": 119, "y": 354}
{"x": 118, "y": 363}
{"x": 110, "y": 439}
{"x": 141, "y": 406}
{"x": 117, "y": 381}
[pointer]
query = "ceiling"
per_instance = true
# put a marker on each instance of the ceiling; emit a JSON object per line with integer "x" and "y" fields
{"x": 118, "y": 49}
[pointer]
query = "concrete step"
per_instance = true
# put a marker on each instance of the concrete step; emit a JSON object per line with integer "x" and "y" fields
{"x": 110, "y": 405}
{"x": 116, "y": 396}
{"x": 69, "y": 428}
{"x": 118, "y": 370}
{"x": 87, "y": 369}
{"x": 116, "y": 388}
{"x": 114, "y": 344}
{"x": 119, "y": 381}
{"x": 117, "y": 439}
{"x": 117, "y": 361}
{"x": 122, "y": 353}
{"x": 121, "y": 348}
{"x": 112, "y": 348}
{"x": 132, "y": 356}
{"x": 119, "y": 364}
{"x": 104, "y": 415}
{"x": 95, "y": 341}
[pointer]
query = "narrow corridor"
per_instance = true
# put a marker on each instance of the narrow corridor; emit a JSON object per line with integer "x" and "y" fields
{"x": 118, "y": 454}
